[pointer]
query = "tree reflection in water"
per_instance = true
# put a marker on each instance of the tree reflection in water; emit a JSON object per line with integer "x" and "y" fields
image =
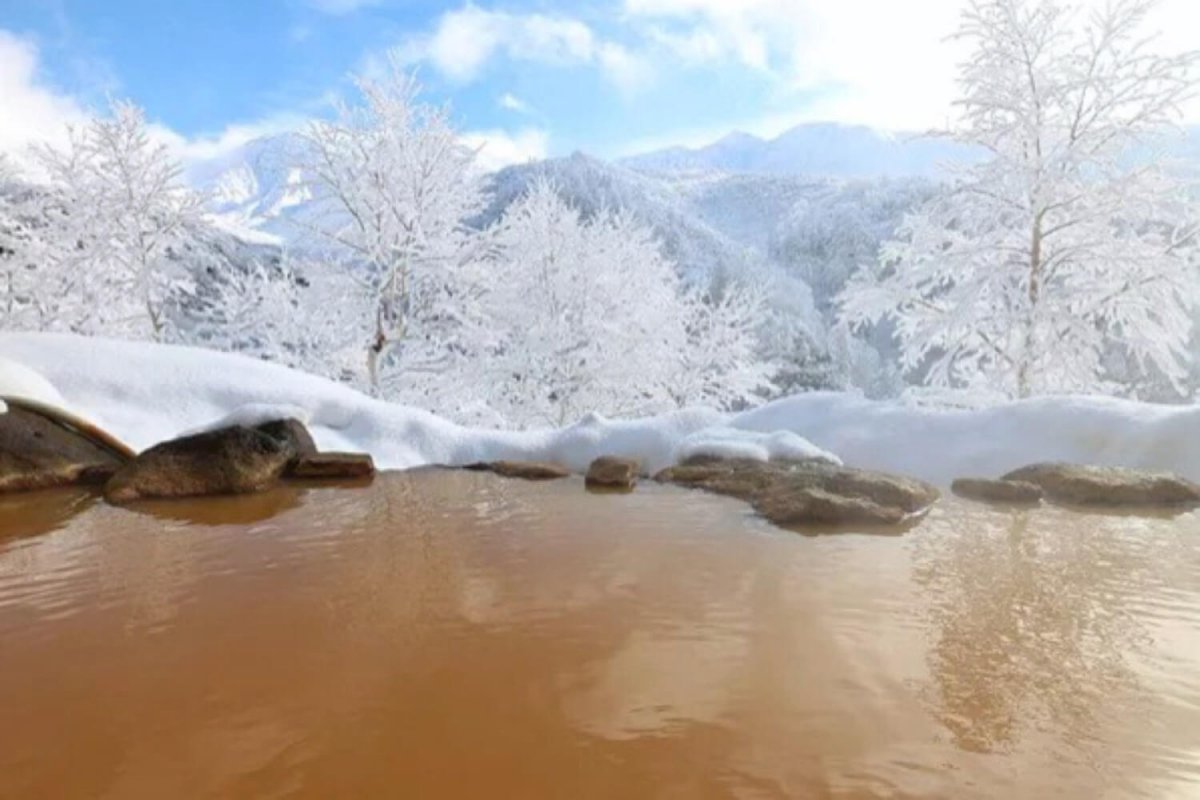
{"x": 1033, "y": 613}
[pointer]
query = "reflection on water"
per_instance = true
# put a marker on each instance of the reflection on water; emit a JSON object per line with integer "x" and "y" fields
{"x": 27, "y": 515}
{"x": 1046, "y": 621}
{"x": 243, "y": 509}
{"x": 455, "y": 634}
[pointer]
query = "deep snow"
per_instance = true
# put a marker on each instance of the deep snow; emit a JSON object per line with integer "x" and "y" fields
{"x": 145, "y": 393}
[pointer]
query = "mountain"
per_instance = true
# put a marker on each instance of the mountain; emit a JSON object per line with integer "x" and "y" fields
{"x": 258, "y": 191}
{"x": 820, "y": 150}
{"x": 700, "y": 249}
{"x": 832, "y": 150}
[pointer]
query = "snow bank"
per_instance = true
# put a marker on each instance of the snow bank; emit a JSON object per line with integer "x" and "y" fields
{"x": 146, "y": 393}
{"x": 940, "y": 445}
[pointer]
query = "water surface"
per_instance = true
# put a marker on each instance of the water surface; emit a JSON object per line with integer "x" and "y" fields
{"x": 458, "y": 635}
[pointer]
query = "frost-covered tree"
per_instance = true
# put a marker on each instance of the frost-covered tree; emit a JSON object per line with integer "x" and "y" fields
{"x": 1066, "y": 241}
{"x": 278, "y": 308}
{"x": 587, "y": 315}
{"x": 22, "y": 269}
{"x": 825, "y": 237}
{"x": 120, "y": 209}
{"x": 394, "y": 187}
{"x": 722, "y": 362}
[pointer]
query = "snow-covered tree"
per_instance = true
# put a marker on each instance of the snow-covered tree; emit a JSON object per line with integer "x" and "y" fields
{"x": 587, "y": 315}
{"x": 825, "y": 237}
{"x": 1067, "y": 240}
{"x": 273, "y": 307}
{"x": 21, "y": 302}
{"x": 395, "y": 187}
{"x": 121, "y": 208}
{"x": 722, "y": 361}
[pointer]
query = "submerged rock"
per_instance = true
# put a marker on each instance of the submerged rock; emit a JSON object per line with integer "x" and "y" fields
{"x": 42, "y": 448}
{"x": 1083, "y": 485}
{"x": 810, "y": 492}
{"x": 997, "y": 491}
{"x": 331, "y": 466}
{"x": 524, "y": 470}
{"x": 235, "y": 460}
{"x": 610, "y": 472}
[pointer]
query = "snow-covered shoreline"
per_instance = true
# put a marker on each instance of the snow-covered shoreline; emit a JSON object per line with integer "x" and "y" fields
{"x": 146, "y": 393}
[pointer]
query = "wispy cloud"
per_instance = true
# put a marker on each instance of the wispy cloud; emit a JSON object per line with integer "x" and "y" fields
{"x": 464, "y": 41}
{"x": 511, "y": 102}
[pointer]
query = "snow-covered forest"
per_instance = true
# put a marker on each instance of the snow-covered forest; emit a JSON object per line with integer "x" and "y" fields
{"x": 1045, "y": 243}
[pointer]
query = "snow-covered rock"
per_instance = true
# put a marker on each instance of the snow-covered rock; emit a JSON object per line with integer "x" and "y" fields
{"x": 736, "y": 443}
{"x": 18, "y": 380}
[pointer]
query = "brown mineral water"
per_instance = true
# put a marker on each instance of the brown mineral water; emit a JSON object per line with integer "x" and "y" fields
{"x": 446, "y": 634}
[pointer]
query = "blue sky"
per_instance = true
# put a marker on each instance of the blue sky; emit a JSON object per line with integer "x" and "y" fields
{"x": 531, "y": 77}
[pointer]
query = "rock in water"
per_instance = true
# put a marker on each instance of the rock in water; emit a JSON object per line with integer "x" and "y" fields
{"x": 792, "y": 507}
{"x": 40, "y": 451}
{"x": 523, "y": 470}
{"x": 1113, "y": 487}
{"x": 992, "y": 491}
{"x": 805, "y": 493}
{"x": 235, "y": 460}
{"x": 610, "y": 472}
{"x": 333, "y": 466}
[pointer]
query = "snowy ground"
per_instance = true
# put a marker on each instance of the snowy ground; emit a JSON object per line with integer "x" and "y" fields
{"x": 145, "y": 393}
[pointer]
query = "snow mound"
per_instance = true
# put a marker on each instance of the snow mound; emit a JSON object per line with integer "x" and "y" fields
{"x": 146, "y": 393}
{"x": 724, "y": 442}
{"x": 253, "y": 414}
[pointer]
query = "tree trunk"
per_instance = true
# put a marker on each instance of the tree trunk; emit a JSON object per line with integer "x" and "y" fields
{"x": 1025, "y": 367}
{"x": 374, "y": 355}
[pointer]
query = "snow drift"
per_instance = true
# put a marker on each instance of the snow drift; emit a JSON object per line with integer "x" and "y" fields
{"x": 145, "y": 393}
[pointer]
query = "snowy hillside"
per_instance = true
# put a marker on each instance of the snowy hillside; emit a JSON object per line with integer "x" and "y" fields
{"x": 258, "y": 190}
{"x": 590, "y": 184}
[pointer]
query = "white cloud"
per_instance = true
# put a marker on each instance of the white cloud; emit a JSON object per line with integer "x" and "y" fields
{"x": 36, "y": 113}
{"x": 465, "y": 40}
{"x": 498, "y": 149}
{"x": 511, "y": 102}
{"x": 747, "y": 31}
{"x": 877, "y": 62}
{"x": 32, "y": 111}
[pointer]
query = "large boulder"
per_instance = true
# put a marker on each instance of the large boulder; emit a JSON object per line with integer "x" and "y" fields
{"x": 610, "y": 472}
{"x": 1078, "y": 484}
{"x": 236, "y": 460}
{"x": 292, "y": 435}
{"x": 992, "y": 491}
{"x": 801, "y": 494}
{"x": 41, "y": 447}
